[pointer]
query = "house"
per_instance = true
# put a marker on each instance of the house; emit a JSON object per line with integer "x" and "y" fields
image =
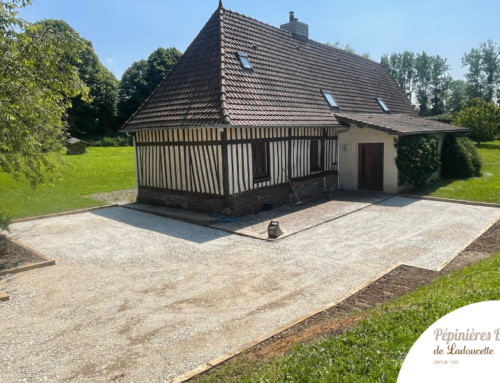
{"x": 75, "y": 146}
{"x": 249, "y": 106}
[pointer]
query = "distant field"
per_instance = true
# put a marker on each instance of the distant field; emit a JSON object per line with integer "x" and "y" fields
{"x": 100, "y": 170}
{"x": 485, "y": 188}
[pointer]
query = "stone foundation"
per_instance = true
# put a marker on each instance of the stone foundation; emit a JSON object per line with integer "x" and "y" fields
{"x": 203, "y": 203}
{"x": 249, "y": 202}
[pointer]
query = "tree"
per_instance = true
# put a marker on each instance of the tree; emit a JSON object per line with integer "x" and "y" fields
{"x": 483, "y": 78}
{"x": 401, "y": 66}
{"x": 142, "y": 77}
{"x": 423, "y": 77}
{"x": 455, "y": 97}
{"x": 98, "y": 114}
{"x": 482, "y": 118}
{"x": 347, "y": 48}
{"x": 37, "y": 83}
{"x": 432, "y": 81}
{"x": 440, "y": 83}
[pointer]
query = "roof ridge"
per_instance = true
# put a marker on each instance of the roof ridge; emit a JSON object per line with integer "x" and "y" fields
{"x": 222, "y": 80}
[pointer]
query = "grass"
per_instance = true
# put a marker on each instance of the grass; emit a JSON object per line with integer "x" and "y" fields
{"x": 375, "y": 350}
{"x": 485, "y": 188}
{"x": 100, "y": 170}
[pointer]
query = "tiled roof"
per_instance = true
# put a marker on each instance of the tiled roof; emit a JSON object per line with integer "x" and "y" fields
{"x": 208, "y": 86}
{"x": 400, "y": 124}
{"x": 190, "y": 95}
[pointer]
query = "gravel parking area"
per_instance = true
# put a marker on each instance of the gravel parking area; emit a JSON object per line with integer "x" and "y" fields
{"x": 137, "y": 297}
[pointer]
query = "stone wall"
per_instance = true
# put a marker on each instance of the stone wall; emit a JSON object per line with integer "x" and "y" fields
{"x": 204, "y": 203}
{"x": 248, "y": 202}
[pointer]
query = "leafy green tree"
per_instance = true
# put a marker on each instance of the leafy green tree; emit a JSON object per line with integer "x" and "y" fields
{"x": 98, "y": 114}
{"x": 432, "y": 82}
{"x": 440, "y": 83}
{"x": 401, "y": 66}
{"x": 423, "y": 77}
{"x": 482, "y": 118}
{"x": 38, "y": 80}
{"x": 483, "y": 77}
{"x": 142, "y": 77}
{"x": 347, "y": 48}
{"x": 455, "y": 97}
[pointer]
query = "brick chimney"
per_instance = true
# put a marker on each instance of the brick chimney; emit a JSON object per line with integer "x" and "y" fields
{"x": 296, "y": 27}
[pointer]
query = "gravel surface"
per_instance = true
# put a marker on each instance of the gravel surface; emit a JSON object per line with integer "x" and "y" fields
{"x": 136, "y": 297}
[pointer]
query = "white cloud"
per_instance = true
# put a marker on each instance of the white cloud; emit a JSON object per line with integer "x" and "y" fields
{"x": 110, "y": 61}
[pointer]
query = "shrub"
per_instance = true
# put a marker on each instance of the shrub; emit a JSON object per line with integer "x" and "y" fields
{"x": 459, "y": 158}
{"x": 5, "y": 221}
{"x": 417, "y": 158}
{"x": 110, "y": 142}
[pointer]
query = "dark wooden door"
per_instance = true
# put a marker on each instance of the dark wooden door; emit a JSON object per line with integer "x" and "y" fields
{"x": 371, "y": 167}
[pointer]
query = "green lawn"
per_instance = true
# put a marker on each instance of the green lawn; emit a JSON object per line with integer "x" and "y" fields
{"x": 100, "y": 170}
{"x": 485, "y": 188}
{"x": 375, "y": 350}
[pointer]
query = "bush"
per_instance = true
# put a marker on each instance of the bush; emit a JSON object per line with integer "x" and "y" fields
{"x": 459, "y": 158}
{"x": 110, "y": 142}
{"x": 5, "y": 221}
{"x": 417, "y": 158}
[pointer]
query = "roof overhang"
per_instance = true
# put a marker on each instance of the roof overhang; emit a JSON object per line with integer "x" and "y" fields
{"x": 398, "y": 128}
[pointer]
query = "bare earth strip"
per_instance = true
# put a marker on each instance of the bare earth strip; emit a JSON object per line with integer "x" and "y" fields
{"x": 139, "y": 297}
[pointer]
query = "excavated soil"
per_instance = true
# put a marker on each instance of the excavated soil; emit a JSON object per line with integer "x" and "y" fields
{"x": 400, "y": 281}
{"x": 12, "y": 255}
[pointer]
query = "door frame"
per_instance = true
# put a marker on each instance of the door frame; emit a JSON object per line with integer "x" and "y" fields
{"x": 371, "y": 144}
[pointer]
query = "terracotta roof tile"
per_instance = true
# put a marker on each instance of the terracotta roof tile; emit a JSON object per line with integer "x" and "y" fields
{"x": 400, "y": 124}
{"x": 208, "y": 86}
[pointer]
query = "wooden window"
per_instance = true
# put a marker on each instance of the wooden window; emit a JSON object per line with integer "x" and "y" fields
{"x": 315, "y": 157}
{"x": 260, "y": 153}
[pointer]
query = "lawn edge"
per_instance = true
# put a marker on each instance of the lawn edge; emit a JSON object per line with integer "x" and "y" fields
{"x": 63, "y": 213}
{"x": 48, "y": 261}
{"x": 439, "y": 199}
{"x": 225, "y": 357}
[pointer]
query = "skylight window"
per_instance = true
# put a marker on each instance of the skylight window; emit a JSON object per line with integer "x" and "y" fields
{"x": 245, "y": 61}
{"x": 330, "y": 99}
{"x": 383, "y": 106}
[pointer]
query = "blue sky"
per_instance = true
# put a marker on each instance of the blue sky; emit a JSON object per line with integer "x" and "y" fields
{"x": 124, "y": 31}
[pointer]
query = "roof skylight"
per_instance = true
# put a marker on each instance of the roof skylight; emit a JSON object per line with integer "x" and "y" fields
{"x": 245, "y": 61}
{"x": 330, "y": 99}
{"x": 382, "y": 105}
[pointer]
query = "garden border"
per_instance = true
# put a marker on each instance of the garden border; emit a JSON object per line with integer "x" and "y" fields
{"x": 48, "y": 261}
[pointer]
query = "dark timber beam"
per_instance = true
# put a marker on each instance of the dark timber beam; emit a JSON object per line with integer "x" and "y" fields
{"x": 225, "y": 167}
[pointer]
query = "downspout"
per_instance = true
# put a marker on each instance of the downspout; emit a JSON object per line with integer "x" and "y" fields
{"x": 338, "y": 157}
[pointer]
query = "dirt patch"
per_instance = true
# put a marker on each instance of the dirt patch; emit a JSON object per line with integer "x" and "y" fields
{"x": 398, "y": 282}
{"x": 120, "y": 197}
{"x": 12, "y": 255}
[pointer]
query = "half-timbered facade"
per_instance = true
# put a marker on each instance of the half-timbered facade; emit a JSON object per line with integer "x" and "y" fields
{"x": 250, "y": 107}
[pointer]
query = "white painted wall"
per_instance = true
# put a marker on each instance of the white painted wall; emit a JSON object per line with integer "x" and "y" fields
{"x": 348, "y": 152}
